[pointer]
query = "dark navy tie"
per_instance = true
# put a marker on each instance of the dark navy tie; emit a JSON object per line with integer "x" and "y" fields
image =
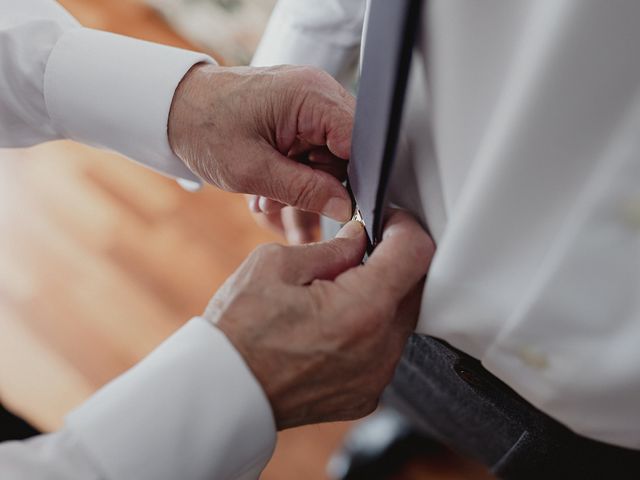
{"x": 391, "y": 34}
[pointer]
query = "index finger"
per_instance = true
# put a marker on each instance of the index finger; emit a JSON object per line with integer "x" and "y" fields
{"x": 397, "y": 264}
{"x": 326, "y": 117}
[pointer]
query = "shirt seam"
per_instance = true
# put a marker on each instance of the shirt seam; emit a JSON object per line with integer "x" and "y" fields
{"x": 47, "y": 76}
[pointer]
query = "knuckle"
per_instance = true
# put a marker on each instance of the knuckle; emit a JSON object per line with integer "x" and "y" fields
{"x": 269, "y": 252}
{"x": 314, "y": 79}
{"x": 275, "y": 185}
{"x": 310, "y": 73}
{"x": 423, "y": 248}
{"x": 305, "y": 193}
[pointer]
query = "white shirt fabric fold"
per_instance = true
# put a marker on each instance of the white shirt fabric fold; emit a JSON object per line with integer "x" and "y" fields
{"x": 325, "y": 34}
{"x": 519, "y": 153}
{"x": 60, "y": 80}
{"x": 192, "y": 409}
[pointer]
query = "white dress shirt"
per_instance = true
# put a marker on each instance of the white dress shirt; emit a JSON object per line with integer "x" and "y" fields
{"x": 192, "y": 409}
{"x": 520, "y": 154}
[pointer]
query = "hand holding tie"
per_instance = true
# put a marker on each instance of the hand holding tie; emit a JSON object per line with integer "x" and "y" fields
{"x": 321, "y": 332}
{"x": 283, "y": 133}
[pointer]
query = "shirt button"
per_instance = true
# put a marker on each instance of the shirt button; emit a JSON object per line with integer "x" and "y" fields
{"x": 533, "y": 358}
{"x": 631, "y": 213}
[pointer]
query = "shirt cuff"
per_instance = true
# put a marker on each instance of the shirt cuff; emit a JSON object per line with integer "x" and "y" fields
{"x": 192, "y": 409}
{"x": 115, "y": 92}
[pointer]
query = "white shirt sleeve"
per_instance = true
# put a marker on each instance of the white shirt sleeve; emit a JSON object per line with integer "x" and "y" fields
{"x": 56, "y": 456}
{"x": 60, "y": 80}
{"x": 190, "y": 410}
{"x": 323, "y": 34}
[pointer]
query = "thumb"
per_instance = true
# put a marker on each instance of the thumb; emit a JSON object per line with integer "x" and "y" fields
{"x": 397, "y": 264}
{"x": 326, "y": 260}
{"x": 303, "y": 187}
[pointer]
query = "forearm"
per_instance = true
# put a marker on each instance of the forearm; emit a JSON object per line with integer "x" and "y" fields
{"x": 59, "y": 454}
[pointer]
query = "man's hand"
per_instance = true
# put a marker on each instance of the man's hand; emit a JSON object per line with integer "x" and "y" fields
{"x": 321, "y": 332}
{"x": 282, "y": 133}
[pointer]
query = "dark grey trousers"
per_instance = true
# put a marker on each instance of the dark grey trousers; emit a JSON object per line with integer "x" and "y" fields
{"x": 450, "y": 397}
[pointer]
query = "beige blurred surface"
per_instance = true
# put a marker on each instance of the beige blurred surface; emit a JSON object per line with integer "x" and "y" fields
{"x": 102, "y": 259}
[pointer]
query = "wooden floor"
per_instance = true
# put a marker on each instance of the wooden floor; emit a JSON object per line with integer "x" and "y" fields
{"x": 101, "y": 259}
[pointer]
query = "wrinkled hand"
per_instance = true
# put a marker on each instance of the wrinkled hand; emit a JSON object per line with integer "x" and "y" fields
{"x": 282, "y": 133}
{"x": 321, "y": 332}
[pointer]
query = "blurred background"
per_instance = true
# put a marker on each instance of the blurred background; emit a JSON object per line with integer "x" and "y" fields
{"x": 101, "y": 259}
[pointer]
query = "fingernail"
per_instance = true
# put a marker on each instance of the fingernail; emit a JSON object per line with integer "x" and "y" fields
{"x": 338, "y": 208}
{"x": 254, "y": 204}
{"x": 353, "y": 229}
